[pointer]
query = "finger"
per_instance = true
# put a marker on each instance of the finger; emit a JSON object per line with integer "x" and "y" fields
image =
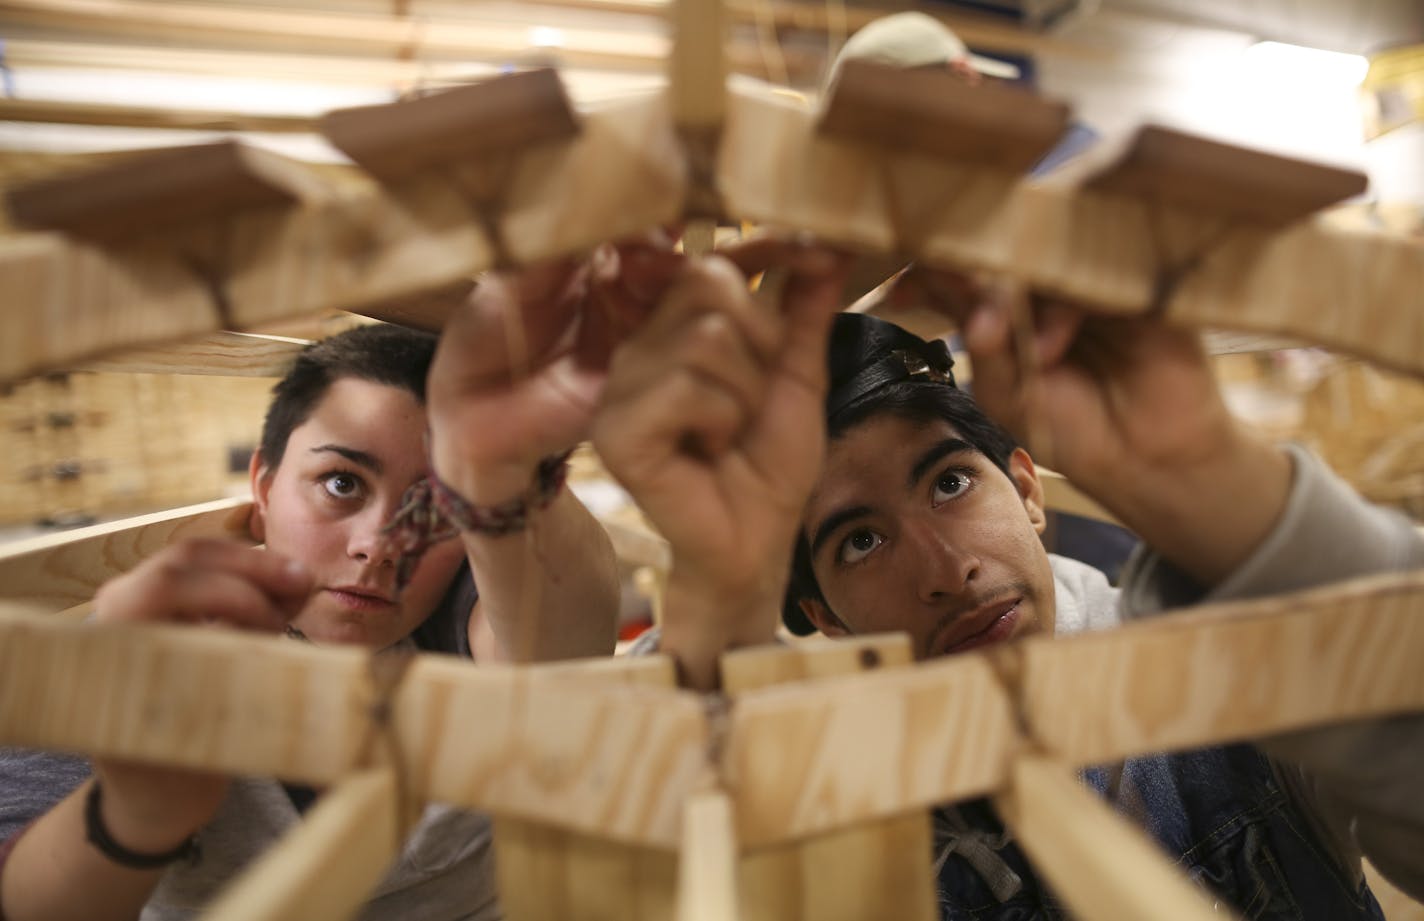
{"x": 1056, "y": 328}
{"x": 798, "y": 255}
{"x": 708, "y": 344}
{"x": 988, "y": 340}
{"x": 689, "y": 417}
{"x": 715, "y": 286}
{"x": 810, "y": 303}
{"x": 161, "y": 587}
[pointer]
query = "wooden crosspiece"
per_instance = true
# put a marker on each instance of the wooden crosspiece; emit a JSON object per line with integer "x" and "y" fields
{"x": 599, "y": 774}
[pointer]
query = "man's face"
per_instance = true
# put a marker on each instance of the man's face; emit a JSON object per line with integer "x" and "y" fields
{"x": 341, "y": 478}
{"x": 912, "y": 529}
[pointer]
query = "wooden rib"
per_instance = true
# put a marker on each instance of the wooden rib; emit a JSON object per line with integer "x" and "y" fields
{"x": 327, "y": 866}
{"x": 707, "y": 861}
{"x": 224, "y": 354}
{"x": 162, "y": 188}
{"x": 307, "y": 31}
{"x": 49, "y": 111}
{"x": 1100, "y": 864}
{"x": 548, "y": 873}
{"x": 797, "y": 756}
{"x": 854, "y": 873}
{"x": 495, "y": 116}
{"x": 1230, "y": 671}
{"x": 1355, "y": 290}
{"x": 44, "y": 575}
{"x": 697, "y": 69}
{"x": 933, "y": 111}
{"x": 579, "y": 753}
{"x": 1205, "y": 176}
{"x": 71, "y": 299}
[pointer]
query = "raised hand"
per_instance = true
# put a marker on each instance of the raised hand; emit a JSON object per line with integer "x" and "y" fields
{"x": 713, "y": 420}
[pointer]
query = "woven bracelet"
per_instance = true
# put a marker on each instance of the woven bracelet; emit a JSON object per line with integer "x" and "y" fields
{"x": 430, "y": 511}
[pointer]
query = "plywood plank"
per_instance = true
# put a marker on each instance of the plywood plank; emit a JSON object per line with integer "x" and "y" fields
{"x": 362, "y": 250}
{"x": 497, "y": 116}
{"x": 864, "y": 871}
{"x": 1099, "y": 863}
{"x": 327, "y": 866}
{"x": 612, "y": 761}
{"x": 162, "y": 188}
{"x": 223, "y": 354}
{"x": 45, "y": 575}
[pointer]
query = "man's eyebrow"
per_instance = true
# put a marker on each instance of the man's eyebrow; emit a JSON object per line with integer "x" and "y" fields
{"x": 934, "y": 455}
{"x": 360, "y": 458}
{"x": 833, "y": 522}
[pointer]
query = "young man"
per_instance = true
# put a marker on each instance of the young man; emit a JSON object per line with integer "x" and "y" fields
{"x": 343, "y": 451}
{"x": 924, "y": 517}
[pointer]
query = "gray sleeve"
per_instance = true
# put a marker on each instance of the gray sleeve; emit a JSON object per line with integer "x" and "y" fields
{"x": 32, "y": 783}
{"x": 1362, "y": 782}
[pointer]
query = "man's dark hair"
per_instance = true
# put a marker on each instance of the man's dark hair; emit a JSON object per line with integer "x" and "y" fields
{"x": 381, "y": 354}
{"x": 877, "y": 369}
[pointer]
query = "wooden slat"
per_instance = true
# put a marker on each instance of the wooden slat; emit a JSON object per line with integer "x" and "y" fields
{"x": 1210, "y": 177}
{"x": 1060, "y": 495}
{"x": 44, "y": 575}
{"x": 859, "y": 872}
{"x": 326, "y": 867}
{"x": 933, "y": 111}
{"x": 363, "y": 250}
{"x": 162, "y": 188}
{"x": 224, "y": 354}
{"x": 548, "y": 873}
{"x": 697, "y": 68}
{"x": 707, "y": 861}
{"x": 579, "y": 753}
{"x": 797, "y": 756}
{"x": 501, "y": 115}
{"x": 67, "y": 112}
{"x": 1230, "y": 671}
{"x": 1100, "y": 864}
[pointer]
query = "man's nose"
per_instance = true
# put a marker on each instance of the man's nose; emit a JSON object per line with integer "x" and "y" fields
{"x": 943, "y": 567}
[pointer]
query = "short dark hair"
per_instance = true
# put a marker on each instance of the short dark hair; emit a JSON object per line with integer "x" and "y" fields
{"x": 877, "y": 369}
{"x": 383, "y": 354}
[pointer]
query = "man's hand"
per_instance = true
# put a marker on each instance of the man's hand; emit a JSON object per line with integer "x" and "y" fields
{"x": 713, "y": 420}
{"x": 522, "y": 363}
{"x": 1128, "y": 409}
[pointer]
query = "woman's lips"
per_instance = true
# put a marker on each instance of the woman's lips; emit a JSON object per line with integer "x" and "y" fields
{"x": 359, "y": 599}
{"x": 989, "y": 625}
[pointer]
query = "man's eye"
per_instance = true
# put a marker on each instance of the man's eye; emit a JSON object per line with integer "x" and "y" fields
{"x": 949, "y": 485}
{"x": 342, "y": 485}
{"x": 859, "y": 545}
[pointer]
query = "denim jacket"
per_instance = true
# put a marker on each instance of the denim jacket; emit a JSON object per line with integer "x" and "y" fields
{"x": 1219, "y": 813}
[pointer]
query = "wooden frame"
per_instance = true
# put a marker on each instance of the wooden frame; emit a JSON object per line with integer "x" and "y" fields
{"x": 573, "y": 756}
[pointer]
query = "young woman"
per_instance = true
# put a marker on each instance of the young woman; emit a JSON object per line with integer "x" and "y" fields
{"x": 344, "y": 450}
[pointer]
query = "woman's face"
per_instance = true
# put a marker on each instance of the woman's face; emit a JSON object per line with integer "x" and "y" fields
{"x": 341, "y": 478}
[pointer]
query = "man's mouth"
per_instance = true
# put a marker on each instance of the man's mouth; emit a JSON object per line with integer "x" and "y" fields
{"x": 992, "y": 623}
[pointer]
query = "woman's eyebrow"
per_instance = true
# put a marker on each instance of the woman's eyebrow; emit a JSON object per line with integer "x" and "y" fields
{"x": 361, "y": 458}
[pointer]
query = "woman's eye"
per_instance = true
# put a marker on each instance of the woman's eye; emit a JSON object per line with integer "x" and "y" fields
{"x": 342, "y": 485}
{"x": 950, "y": 485}
{"x": 858, "y": 545}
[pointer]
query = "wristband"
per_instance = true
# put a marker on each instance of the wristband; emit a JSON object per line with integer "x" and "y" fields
{"x": 98, "y": 835}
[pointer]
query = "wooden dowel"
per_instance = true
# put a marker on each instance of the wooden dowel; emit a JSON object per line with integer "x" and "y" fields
{"x": 326, "y": 867}
{"x": 1102, "y": 866}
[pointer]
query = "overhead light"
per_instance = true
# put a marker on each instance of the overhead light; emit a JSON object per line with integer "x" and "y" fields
{"x": 550, "y": 37}
{"x": 1296, "y": 65}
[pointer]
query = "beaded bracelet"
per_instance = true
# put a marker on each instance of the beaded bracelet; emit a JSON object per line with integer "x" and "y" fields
{"x": 430, "y": 511}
